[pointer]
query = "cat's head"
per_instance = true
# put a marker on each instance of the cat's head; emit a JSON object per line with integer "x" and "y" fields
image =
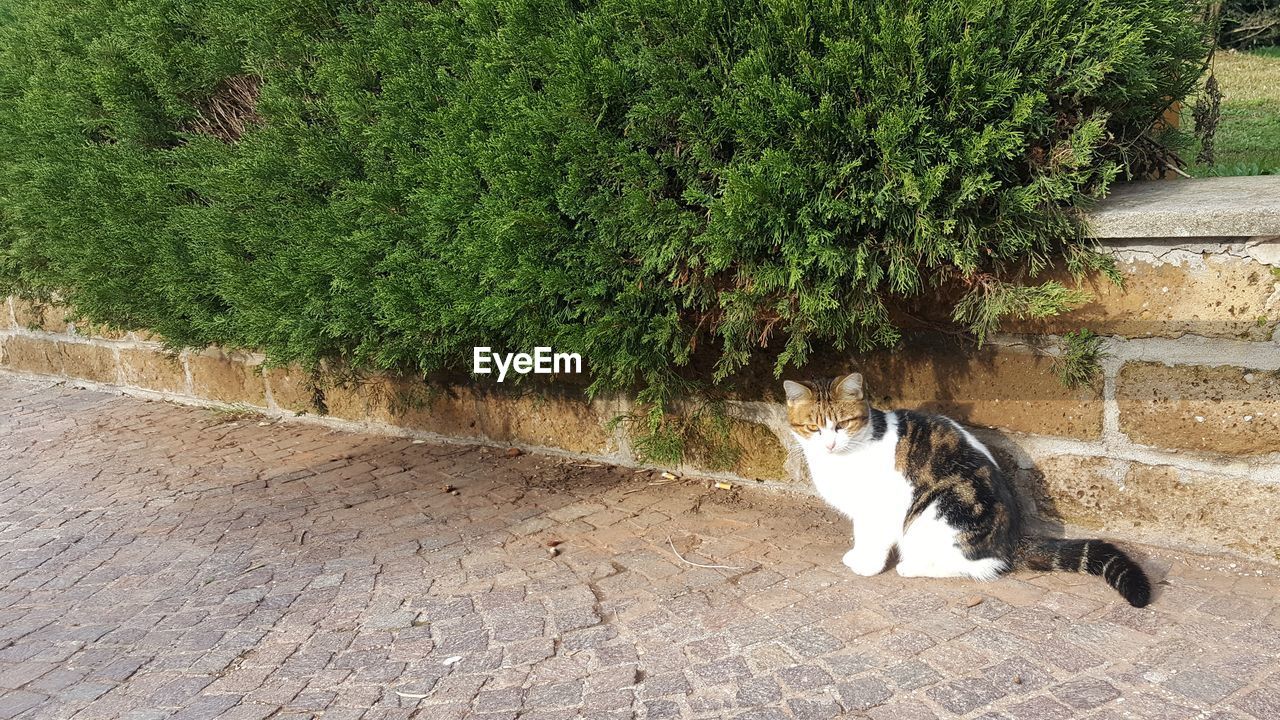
{"x": 827, "y": 416}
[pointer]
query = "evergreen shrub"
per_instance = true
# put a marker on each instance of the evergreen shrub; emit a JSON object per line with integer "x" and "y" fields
{"x": 392, "y": 182}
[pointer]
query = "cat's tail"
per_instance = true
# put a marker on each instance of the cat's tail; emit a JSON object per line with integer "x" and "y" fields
{"x": 1095, "y": 557}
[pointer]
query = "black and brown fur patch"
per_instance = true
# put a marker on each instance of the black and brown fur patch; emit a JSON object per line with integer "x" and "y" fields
{"x": 971, "y": 493}
{"x": 1095, "y": 557}
{"x": 974, "y": 497}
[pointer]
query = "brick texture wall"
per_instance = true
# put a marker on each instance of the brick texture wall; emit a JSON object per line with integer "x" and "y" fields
{"x": 1178, "y": 442}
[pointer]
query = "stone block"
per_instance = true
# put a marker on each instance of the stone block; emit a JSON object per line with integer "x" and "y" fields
{"x": 292, "y": 389}
{"x": 567, "y": 421}
{"x": 1086, "y": 693}
{"x": 100, "y": 332}
{"x": 88, "y": 362}
{"x": 1228, "y": 410}
{"x": 1011, "y": 388}
{"x": 992, "y": 387}
{"x": 32, "y": 355}
{"x": 226, "y": 377}
{"x": 1216, "y": 296}
{"x": 1200, "y": 208}
{"x": 49, "y": 357}
{"x": 755, "y": 452}
{"x": 152, "y": 370}
{"x": 362, "y": 398}
{"x": 48, "y": 317}
{"x": 1160, "y": 503}
{"x": 552, "y": 417}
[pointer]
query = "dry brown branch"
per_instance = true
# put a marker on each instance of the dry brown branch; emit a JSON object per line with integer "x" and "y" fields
{"x": 230, "y": 110}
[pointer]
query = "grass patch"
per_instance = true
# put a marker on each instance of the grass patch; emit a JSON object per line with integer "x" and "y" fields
{"x": 1248, "y": 138}
{"x": 232, "y": 413}
{"x": 1080, "y": 362}
{"x": 659, "y": 437}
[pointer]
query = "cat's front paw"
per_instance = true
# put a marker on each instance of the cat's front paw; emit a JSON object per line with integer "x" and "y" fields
{"x": 865, "y": 564}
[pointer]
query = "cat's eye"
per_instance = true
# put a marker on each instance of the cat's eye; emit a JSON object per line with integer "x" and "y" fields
{"x": 811, "y": 427}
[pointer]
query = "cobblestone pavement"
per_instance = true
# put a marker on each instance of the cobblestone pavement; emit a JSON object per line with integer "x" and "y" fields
{"x": 158, "y": 560}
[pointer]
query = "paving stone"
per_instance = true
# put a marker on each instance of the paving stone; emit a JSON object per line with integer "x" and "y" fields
{"x": 713, "y": 648}
{"x": 1204, "y": 685}
{"x": 616, "y": 654}
{"x": 173, "y": 695}
{"x": 863, "y": 692}
{"x": 497, "y": 700}
{"x": 804, "y": 677}
{"x": 1152, "y": 706}
{"x": 1017, "y": 675}
{"x": 852, "y": 664}
{"x": 576, "y": 619}
{"x": 1086, "y": 693}
{"x": 14, "y": 703}
{"x": 1042, "y": 707}
{"x": 812, "y": 642}
{"x": 758, "y": 691}
{"x": 517, "y": 629}
{"x": 805, "y": 709}
{"x": 156, "y": 559}
{"x": 608, "y": 702}
{"x": 965, "y": 695}
{"x": 906, "y": 643}
{"x": 912, "y": 674}
{"x": 1262, "y": 704}
{"x": 592, "y": 637}
{"x": 723, "y": 671}
{"x": 902, "y": 709}
{"x": 661, "y": 710}
{"x": 553, "y": 696}
{"x": 15, "y": 676}
{"x": 529, "y": 651}
{"x": 762, "y": 714}
{"x": 673, "y": 683}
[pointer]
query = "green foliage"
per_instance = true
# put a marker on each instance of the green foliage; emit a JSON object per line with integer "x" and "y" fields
{"x": 995, "y": 300}
{"x": 399, "y": 181}
{"x": 662, "y": 437}
{"x": 1080, "y": 361}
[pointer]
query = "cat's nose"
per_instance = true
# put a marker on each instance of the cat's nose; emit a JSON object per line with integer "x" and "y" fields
{"x": 831, "y": 444}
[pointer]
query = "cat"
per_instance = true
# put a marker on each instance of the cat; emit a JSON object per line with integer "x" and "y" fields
{"x": 926, "y": 486}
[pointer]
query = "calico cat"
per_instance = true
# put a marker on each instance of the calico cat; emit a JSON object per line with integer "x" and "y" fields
{"x": 925, "y": 485}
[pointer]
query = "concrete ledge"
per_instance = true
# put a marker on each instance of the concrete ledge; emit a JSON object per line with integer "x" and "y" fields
{"x": 1203, "y": 207}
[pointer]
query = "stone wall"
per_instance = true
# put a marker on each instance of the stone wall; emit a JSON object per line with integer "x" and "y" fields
{"x": 1177, "y": 443}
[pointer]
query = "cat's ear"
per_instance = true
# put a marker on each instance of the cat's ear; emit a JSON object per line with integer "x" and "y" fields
{"x": 849, "y": 387}
{"x": 795, "y": 391}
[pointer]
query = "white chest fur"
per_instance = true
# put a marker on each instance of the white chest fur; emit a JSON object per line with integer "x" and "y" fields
{"x": 863, "y": 484}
